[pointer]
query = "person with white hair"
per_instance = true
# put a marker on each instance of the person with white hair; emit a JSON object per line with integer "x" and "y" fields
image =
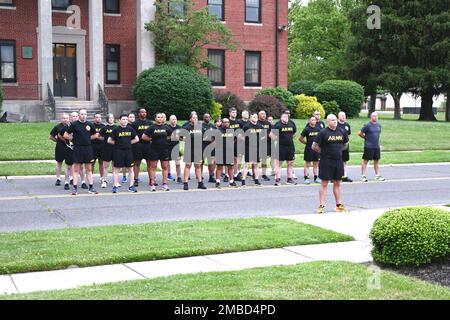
{"x": 329, "y": 143}
{"x": 371, "y": 134}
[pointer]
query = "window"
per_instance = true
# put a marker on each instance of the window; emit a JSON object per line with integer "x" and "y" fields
{"x": 112, "y": 6}
{"x": 215, "y": 8}
{"x": 253, "y": 69}
{"x": 6, "y": 3}
{"x": 112, "y": 64}
{"x": 217, "y": 75}
{"x": 253, "y": 11}
{"x": 8, "y": 61}
{"x": 61, "y": 4}
{"x": 176, "y": 8}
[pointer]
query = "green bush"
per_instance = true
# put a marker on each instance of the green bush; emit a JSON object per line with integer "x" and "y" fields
{"x": 281, "y": 94}
{"x": 306, "y": 87}
{"x": 216, "y": 110}
{"x": 271, "y": 105}
{"x": 348, "y": 94}
{"x": 331, "y": 107}
{"x": 306, "y": 106}
{"x": 229, "y": 100}
{"x": 1, "y": 97}
{"x": 174, "y": 89}
{"x": 411, "y": 236}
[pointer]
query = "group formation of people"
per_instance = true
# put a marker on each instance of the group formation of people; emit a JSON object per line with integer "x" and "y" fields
{"x": 230, "y": 148}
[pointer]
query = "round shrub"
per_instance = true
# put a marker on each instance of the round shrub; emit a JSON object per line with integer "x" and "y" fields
{"x": 216, "y": 110}
{"x": 411, "y": 236}
{"x": 306, "y": 87}
{"x": 306, "y": 106}
{"x": 229, "y": 100}
{"x": 331, "y": 107}
{"x": 348, "y": 94}
{"x": 281, "y": 94}
{"x": 174, "y": 89}
{"x": 271, "y": 105}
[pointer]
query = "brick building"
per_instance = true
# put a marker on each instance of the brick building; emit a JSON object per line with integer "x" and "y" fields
{"x": 77, "y": 49}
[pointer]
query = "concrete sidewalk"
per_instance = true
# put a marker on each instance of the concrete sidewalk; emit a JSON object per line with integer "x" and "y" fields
{"x": 357, "y": 224}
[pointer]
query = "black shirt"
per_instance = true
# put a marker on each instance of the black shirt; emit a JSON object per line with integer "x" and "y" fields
{"x": 160, "y": 133}
{"x": 172, "y": 130}
{"x": 208, "y": 135}
{"x": 227, "y": 136}
{"x": 54, "y": 133}
{"x": 98, "y": 128}
{"x": 345, "y": 126}
{"x": 140, "y": 126}
{"x": 235, "y": 124}
{"x": 196, "y": 132}
{"x": 82, "y": 132}
{"x": 68, "y": 143}
{"x": 286, "y": 132}
{"x": 122, "y": 137}
{"x": 106, "y": 131}
{"x": 310, "y": 133}
{"x": 254, "y": 132}
{"x": 331, "y": 143}
{"x": 242, "y": 123}
{"x": 320, "y": 124}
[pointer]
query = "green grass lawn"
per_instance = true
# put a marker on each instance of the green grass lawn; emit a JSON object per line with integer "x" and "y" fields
{"x": 58, "y": 249}
{"x": 314, "y": 281}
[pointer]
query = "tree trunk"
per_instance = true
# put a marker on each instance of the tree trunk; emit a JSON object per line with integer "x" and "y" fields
{"x": 447, "y": 107}
{"x": 372, "y": 104}
{"x": 397, "y": 114}
{"x": 426, "y": 109}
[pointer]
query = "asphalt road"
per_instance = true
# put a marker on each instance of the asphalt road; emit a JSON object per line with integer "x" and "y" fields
{"x": 36, "y": 204}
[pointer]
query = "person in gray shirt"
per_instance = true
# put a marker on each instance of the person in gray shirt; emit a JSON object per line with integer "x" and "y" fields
{"x": 371, "y": 134}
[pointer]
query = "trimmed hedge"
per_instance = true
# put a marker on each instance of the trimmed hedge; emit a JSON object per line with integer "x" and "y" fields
{"x": 281, "y": 94}
{"x": 411, "y": 236}
{"x": 331, "y": 107}
{"x": 306, "y": 87}
{"x": 216, "y": 111}
{"x": 306, "y": 107}
{"x": 229, "y": 100}
{"x": 271, "y": 105}
{"x": 174, "y": 89}
{"x": 348, "y": 94}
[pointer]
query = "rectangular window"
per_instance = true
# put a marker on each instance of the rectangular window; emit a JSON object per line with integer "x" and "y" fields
{"x": 253, "y": 11}
{"x": 61, "y": 4}
{"x": 112, "y": 6}
{"x": 216, "y": 8}
{"x": 176, "y": 8}
{"x": 253, "y": 69}
{"x": 8, "y": 61}
{"x": 112, "y": 64}
{"x": 6, "y": 3}
{"x": 217, "y": 75}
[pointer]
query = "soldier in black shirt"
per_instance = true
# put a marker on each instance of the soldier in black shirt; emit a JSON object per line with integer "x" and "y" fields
{"x": 193, "y": 153}
{"x": 320, "y": 124}
{"x": 310, "y": 133}
{"x": 284, "y": 131}
{"x": 345, "y": 126}
{"x": 61, "y": 153}
{"x": 208, "y": 154}
{"x": 82, "y": 132}
{"x": 329, "y": 143}
{"x": 141, "y": 150}
{"x": 262, "y": 120}
{"x": 107, "y": 151}
{"x": 174, "y": 148}
{"x": 159, "y": 134}
{"x": 225, "y": 152}
{"x": 123, "y": 137}
{"x": 98, "y": 144}
{"x": 236, "y": 126}
{"x": 253, "y": 136}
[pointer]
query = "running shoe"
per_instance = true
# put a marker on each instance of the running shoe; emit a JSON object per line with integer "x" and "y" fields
{"x": 257, "y": 183}
{"x": 170, "y": 177}
{"x": 364, "y": 179}
{"x": 291, "y": 181}
{"x": 92, "y": 191}
{"x": 104, "y": 184}
{"x": 233, "y": 184}
{"x": 265, "y": 178}
{"x": 346, "y": 179}
{"x": 58, "y": 182}
{"x": 74, "y": 191}
{"x": 165, "y": 187}
{"x": 124, "y": 179}
{"x": 211, "y": 179}
{"x": 379, "y": 178}
{"x": 185, "y": 186}
{"x": 277, "y": 182}
{"x": 71, "y": 182}
{"x": 226, "y": 179}
{"x": 249, "y": 175}
{"x": 201, "y": 186}
{"x": 320, "y": 210}
{"x": 238, "y": 177}
{"x": 318, "y": 180}
{"x": 152, "y": 188}
{"x": 115, "y": 189}
{"x": 136, "y": 183}
{"x": 84, "y": 185}
{"x": 340, "y": 208}
{"x": 307, "y": 181}
{"x": 218, "y": 185}
{"x": 66, "y": 186}
{"x": 179, "y": 180}
{"x": 243, "y": 183}
{"x": 132, "y": 189}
